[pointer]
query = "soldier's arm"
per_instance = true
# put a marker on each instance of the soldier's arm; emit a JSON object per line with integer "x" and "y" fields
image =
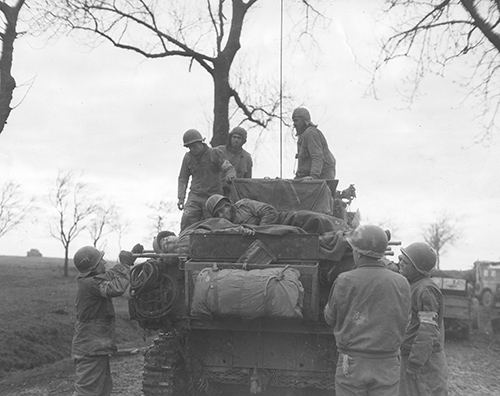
{"x": 428, "y": 330}
{"x": 248, "y": 174}
{"x": 331, "y": 308}
{"x": 315, "y": 149}
{"x": 228, "y": 171}
{"x": 183, "y": 179}
{"x": 267, "y": 213}
{"x": 114, "y": 282}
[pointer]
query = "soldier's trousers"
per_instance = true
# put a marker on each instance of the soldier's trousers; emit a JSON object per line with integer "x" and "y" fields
{"x": 431, "y": 380}
{"x": 93, "y": 376}
{"x": 367, "y": 376}
{"x": 194, "y": 211}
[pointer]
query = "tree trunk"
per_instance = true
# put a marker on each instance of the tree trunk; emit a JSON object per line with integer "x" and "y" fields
{"x": 222, "y": 66}
{"x": 66, "y": 248}
{"x": 7, "y": 82}
{"x": 222, "y": 95}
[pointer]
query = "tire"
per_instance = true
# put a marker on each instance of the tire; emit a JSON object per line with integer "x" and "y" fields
{"x": 487, "y": 299}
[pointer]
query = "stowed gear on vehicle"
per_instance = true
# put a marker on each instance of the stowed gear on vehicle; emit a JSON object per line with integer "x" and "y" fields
{"x": 241, "y": 311}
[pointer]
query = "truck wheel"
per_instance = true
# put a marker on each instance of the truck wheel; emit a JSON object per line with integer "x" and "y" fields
{"x": 164, "y": 372}
{"x": 487, "y": 299}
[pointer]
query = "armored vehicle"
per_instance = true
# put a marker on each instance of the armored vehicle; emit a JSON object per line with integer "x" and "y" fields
{"x": 221, "y": 332}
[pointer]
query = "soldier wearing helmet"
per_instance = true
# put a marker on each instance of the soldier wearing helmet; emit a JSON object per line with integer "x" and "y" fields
{"x": 368, "y": 309}
{"x": 206, "y": 167}
{"x": 238, "y": 157}
{"x": 244, "y": 211}
{"x": 424, "y": 370}
{"x": 93, "y": 339}
{"x": 314, "y": 158}
{"x": 249, "y": 211}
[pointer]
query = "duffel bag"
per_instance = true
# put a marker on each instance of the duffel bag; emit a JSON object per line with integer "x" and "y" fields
{"x": 272, "y": 292}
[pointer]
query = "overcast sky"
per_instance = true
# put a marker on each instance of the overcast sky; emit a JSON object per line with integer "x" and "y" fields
{"x": 119, "y": 119}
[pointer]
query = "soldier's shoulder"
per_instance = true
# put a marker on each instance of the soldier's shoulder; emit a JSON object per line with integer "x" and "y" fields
{"x": 243, "y": 201}
{"x": 246, "y": 153}
{"x": 427, "y": 284}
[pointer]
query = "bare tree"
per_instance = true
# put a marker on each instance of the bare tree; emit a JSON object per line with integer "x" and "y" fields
{"x": 119, "y": 225}
{"x": 205, "y": 33}
{"x": 441, "y": 233}
{"x": 13, "y": 208}
{"x": 101, "y": 222}
{"x": 435, "y": 33}
{"x": 8, "y": 20}
{"x": 73, "y": 209}
{"x": 159, "y": 215}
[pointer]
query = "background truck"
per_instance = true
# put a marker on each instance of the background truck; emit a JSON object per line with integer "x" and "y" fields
{"x": 231, "y": 354}
{"x": 487, "y": 282}
{"x": 458, "y": 315}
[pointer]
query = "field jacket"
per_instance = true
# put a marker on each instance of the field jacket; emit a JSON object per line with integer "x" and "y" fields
{"x": 368, "y": 309}
{"x": 313, "y": 156}
{"x": 206, "y": 171}
{"x": 240, "y": 159}
{"x": 95, "y": 315}
{"x": 425, "y": 331}
{"x": 248, "y": 211}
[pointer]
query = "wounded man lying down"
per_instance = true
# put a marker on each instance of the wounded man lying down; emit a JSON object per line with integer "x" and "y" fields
{"x": 332, "y": 244}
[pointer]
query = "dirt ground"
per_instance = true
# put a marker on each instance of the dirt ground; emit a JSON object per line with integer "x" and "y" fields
{"x": 37, "y": 304}
{"x": 474, "y": 365}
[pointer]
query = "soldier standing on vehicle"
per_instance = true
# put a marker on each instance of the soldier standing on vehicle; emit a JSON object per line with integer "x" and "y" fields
{"x": 314, "y": 159}
{"x": 238, "y": 157}
{"x": 424, "y": 370}
{"x": 94, "y": 339}
{"x": 368, "y": 309}
{"x": 206, "y": 167}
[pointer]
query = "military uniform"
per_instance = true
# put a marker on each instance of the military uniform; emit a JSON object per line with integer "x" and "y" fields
{"x": 205, "y": 171}
{"x": 240, "y": 159}
{"x": 424, "y": 369}
{"x": 94, "y": 336}
{"x": 248, "y": 211}
{"x": 314, "y": 157}
{"x": 368, "y": 310}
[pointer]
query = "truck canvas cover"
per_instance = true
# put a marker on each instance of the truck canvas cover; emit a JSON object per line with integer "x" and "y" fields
{"x": 315, "y": 195}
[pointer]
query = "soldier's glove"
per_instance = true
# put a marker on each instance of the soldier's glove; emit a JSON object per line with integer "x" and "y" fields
{"x": 180, "y": 204}
{"x": 138, "y": 249}
{"x": 246, "y": 231}
{"x": 229, "y": 179}
{"x": 126, "y": 258}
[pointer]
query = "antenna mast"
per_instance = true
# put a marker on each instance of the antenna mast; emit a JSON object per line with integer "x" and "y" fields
{"x": 281, "y": 89}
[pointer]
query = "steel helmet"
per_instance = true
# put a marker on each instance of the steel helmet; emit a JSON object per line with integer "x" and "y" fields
{"x": 302, "y": 112}
{"x": 191, "y": 136}
{"x": 213, "y": 201}
{"x": 86, "y": 259}
{"x": 368, "y": 240}
{"x": 421, "y": 255}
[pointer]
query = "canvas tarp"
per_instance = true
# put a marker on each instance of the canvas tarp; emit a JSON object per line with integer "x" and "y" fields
{"x": 285, "y": 194}
{"x": 271, "y": 292}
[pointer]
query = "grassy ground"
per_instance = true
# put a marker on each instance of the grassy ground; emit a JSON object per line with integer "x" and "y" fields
{"x": 37, "y": 313}
{"x": 37, "y": 316}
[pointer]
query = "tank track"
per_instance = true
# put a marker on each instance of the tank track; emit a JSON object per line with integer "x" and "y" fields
{"x": 164, "y": 371}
